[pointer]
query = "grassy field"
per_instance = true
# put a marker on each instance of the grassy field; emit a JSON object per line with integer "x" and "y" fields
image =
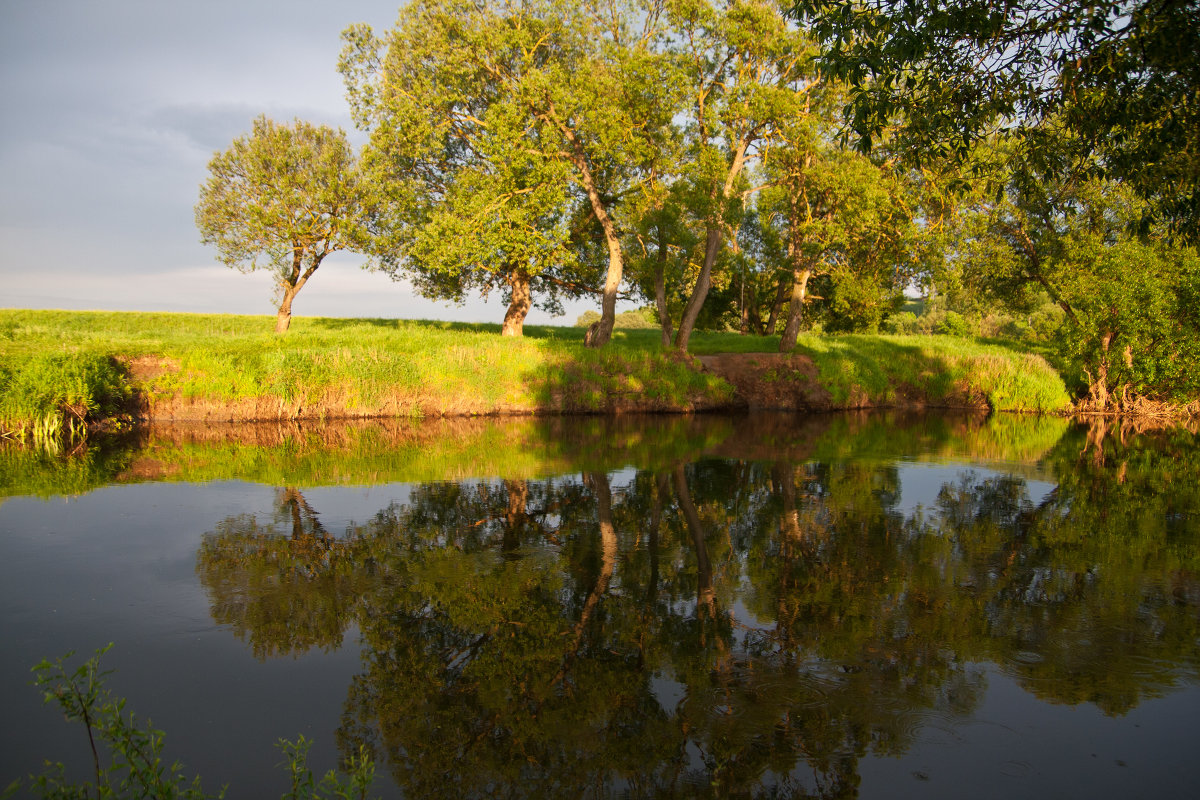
{"x": 61, "y": 369}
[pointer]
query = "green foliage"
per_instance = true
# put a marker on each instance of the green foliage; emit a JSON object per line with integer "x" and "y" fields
{"x": 749, "y": 81}
{"x": 1131, "y": 327}
{"x": 870, "y": 370}
{"x": 1120, "y": 76}
{"x": 283, "y": 197}
{"x": 633, "y": 319}
{"x": 132, "y": 749}
{"x": 360, "y": 773}
{"x": 500, "y": 134}
{"x": 953, "y": 324}
{"x": 48, "y": 396}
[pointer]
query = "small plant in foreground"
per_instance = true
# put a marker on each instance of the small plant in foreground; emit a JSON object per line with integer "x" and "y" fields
{"x": 360, "y": 774}
{"x": 133, "y": 749}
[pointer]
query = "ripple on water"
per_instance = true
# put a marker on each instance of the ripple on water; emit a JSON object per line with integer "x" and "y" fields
{"x": 1016, "y": 769}
{"x": 1027, "y": 657}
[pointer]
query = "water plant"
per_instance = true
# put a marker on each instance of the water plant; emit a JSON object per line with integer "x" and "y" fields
{"x": 127, "y": 753}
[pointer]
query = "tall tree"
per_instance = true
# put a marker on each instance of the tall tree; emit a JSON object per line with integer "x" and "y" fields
{"x": 1132, "y": 324}
{"x": 844, "y": 220}
{"x": 506, "y": 115}
{"x": 747, "y": 70}
{"x": 283, "y": 198}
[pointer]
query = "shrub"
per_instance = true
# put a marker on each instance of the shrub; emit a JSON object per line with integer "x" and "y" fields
{"x": 954, "y": 324}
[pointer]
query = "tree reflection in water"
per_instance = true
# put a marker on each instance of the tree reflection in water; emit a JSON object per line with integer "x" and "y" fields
{"x": 724, "y": 626}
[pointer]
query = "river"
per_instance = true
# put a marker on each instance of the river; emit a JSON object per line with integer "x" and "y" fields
{"x": 862, "y": 605}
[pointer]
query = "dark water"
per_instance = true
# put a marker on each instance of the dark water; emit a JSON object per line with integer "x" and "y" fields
{"x": 766, "y": 606}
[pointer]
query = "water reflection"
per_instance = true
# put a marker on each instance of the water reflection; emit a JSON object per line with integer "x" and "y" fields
{"x": 747, "y": 612}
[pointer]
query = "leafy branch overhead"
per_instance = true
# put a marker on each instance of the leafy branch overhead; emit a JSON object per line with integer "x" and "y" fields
{"x": 1121, "y": 75}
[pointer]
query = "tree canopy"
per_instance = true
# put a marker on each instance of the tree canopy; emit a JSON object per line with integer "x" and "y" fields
{"x": 496, "y": 127}
{"x": 1121, "y": 75}
{"x": 283, "y": 197}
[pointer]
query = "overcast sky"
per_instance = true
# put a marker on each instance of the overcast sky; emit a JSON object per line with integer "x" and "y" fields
{"x": 109, "y": 113}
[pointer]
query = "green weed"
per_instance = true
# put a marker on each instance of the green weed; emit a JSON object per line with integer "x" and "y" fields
{"x": 127, "y": 753}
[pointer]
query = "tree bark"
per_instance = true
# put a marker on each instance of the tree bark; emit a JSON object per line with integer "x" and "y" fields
{"x": 1098, "y": 391}
{"x": 691, "y": 313}
{"x": 284, "y": 319}
{"x": 781, "y": 294}
{"x": 791, "y": 331}
{"x": 712, "y": 247}
{"x": 600, "y": 332}
{"x": 518, "y": 307}
{"x": 292, "y": 283}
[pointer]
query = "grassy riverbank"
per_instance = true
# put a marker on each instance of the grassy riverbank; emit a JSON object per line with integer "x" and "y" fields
{"x": 59, "y": 369}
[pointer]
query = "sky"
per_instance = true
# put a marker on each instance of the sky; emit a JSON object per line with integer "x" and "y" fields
{"x": 110, "y": 111}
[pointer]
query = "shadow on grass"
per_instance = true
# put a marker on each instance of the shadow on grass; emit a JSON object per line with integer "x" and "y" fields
{"x": 934, "y": 370}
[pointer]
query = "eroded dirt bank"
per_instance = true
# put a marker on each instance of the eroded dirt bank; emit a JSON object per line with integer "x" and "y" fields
{"x": 776, "y": 381}
{"x": 756, "y": 381}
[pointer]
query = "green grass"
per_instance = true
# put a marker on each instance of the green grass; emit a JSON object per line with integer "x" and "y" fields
{"x": 59, "y": 368}
{"x": 873, "y": 370}
{"x": 364, "y": 367}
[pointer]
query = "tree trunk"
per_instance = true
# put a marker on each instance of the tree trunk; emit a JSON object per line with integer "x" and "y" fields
{"x": 781, "y": 294}
{"x": 712, "y": 246}
{"x": 791, "y": 331}
{"x": 600, "y": 332}
{"x": 518, "y": 307}
{"x": 1098, "y": 391}
{"x": 292, "y": 283}
{"x": 284, "y": 319}
{"x": 754, "y": 322}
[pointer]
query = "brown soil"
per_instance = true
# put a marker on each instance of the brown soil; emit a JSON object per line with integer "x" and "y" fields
{"x": 146, "y": 368}
{"x": 771, "y": 380}
{"x": 766, "y": 381}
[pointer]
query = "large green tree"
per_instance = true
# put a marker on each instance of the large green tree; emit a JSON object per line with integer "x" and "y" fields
{"x": 492, "y": 123}
{"x": 1130, "y": 302}
{"x": 747, "y": 71}
{"x": 846, "y": 221}
{"x": 283, "y": 197}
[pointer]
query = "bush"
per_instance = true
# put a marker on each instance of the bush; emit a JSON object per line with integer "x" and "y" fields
{"x": 45, "y": 394}
{"x": 135, "y": 767}
{"x": 904, "y": 323}
{"x": 636, "y": 319}
{"x": 954, "y": 324}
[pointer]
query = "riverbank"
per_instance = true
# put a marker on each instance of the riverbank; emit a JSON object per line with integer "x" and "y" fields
{"x": 62, "y": 369}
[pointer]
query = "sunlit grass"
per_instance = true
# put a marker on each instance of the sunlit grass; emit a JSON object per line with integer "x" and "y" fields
{"x": 361, "y": 366}
{"x": 935, "y": 367}
{"x": 58, "y": 368}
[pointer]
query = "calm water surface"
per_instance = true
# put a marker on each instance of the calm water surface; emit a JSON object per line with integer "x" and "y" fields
{"x": 777, "y": 606}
